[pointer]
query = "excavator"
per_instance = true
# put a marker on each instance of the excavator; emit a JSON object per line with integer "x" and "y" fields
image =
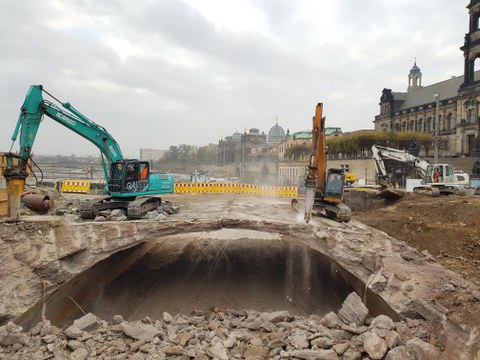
{"x": 324, "y": 188}
{"x": 129, "y": 183}
{"x": 436, "y": 178}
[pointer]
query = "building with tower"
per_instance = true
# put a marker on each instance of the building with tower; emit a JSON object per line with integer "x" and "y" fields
{"x": 448, "y": 109}
{"x": 254, "y": 155}
{"x": 414, "y": 78}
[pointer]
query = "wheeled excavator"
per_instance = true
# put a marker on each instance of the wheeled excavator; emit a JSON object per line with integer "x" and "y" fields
{"x": 324, "y": 188}
{"x": 129, "y": 184}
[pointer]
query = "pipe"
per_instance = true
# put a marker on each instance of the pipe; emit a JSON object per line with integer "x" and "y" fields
{"x": 38, "y": 203}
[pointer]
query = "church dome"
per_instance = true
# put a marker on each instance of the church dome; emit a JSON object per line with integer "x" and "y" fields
{"x": 415, "y": 69}
{"x": 236, "y": 136}
{"x": 276, "y": 134}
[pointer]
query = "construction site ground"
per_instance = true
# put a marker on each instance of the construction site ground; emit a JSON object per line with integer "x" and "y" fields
{"x": 448, "y": 227}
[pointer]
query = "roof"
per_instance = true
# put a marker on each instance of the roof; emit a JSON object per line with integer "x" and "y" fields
{"x": 332, "y": 130}
{"x": 415, "y": 69}
{"x": 305, "y": 134}
{"x": 446, "y": 90}
{"x": 473, "y": 3}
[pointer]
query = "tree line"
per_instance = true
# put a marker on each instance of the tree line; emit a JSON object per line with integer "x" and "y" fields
{"x": 190, "y": 154}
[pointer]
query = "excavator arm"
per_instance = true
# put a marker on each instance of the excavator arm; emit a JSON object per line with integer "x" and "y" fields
{"x": 381, "y": 153}
{"x": 317, "y": 161}
{"x": 436, "y": 178}
{"x": 324, "y": 189}
{"x": 315, "y": 179}
{"x": 126, "y": 179}
{"x": 31, "y": 115}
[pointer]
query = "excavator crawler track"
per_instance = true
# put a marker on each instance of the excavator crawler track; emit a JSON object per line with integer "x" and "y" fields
{"x": 338, "y": 212}
{"x": 140, "y": 206}
{"x": 134, "y": 209}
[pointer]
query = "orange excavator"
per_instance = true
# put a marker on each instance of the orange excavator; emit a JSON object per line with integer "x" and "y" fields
{"x": 324, "y": 188}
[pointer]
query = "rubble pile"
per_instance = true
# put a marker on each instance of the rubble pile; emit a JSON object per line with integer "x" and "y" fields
{"x": 227, "y": 334}
{"x": 68, "y": 206}
{"x": 159, "y": 214}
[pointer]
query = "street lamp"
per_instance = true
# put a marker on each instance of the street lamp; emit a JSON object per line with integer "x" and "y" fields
{"x": 243, "y": 142}
{"x": 435, "y": 143}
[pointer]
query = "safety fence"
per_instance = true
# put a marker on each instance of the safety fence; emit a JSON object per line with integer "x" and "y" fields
{"x": 76, "y": 186}
{"x": 235, "y": 188}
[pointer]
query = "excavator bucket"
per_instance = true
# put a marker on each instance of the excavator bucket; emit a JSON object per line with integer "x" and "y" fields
{"x": 390, "y": 193}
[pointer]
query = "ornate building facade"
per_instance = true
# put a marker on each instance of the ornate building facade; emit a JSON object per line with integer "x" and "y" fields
{"x": 253, "y": 155}
{"x": 448, "y": 109}
{"x": 294, "y": 154}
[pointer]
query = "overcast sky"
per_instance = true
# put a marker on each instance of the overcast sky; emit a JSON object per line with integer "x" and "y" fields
{"x": 157, "y": 73}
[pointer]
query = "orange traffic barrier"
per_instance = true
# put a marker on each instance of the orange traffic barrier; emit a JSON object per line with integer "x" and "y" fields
{"x": 78, "y": 186}
{"x": 235, "y": 188}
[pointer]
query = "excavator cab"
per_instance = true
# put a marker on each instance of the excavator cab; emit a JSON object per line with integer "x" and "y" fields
{"x": 334, "y": 182}
{"x": 439, "y": 174}
{"x": 128, "y": 177}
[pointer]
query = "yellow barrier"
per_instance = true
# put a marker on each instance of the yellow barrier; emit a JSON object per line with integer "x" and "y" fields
{"x": 78, "y": 186}
{"x": 234, "y": 188}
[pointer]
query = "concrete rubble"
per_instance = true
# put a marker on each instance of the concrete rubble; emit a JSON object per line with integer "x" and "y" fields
{"x": 224, "y": 334}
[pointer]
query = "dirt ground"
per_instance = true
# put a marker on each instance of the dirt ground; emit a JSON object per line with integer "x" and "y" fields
{"x": 448, "y": 227}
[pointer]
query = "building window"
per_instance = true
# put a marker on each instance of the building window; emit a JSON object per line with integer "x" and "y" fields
{"x": 450, "y": 124}
{"x": 471, "y": 115}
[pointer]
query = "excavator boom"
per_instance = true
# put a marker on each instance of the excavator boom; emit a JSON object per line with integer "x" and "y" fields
{"x": 324, "y": 189}
{"x": 436, "y": 178}
{"x": 126, "y": 178}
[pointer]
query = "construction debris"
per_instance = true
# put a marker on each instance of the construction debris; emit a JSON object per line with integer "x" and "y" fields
{"x": 224, "y": 334}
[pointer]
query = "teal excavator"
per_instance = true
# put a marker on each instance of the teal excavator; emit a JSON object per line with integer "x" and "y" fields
{"x": 129, "y": 183}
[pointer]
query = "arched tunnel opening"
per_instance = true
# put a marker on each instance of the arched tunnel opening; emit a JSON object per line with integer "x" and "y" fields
{"x": 226, "y": 269}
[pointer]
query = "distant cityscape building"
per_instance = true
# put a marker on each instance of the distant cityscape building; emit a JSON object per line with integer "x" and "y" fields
{"x": 276, "y": 134}
{"x": 294, "y": 153}
{"x": 278, "y": 155}
{"x": 458, "y": 101}
{"x": 152, "y": 154}
{"x": 241, "y": 148}
{"x": 293, "y": 157}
